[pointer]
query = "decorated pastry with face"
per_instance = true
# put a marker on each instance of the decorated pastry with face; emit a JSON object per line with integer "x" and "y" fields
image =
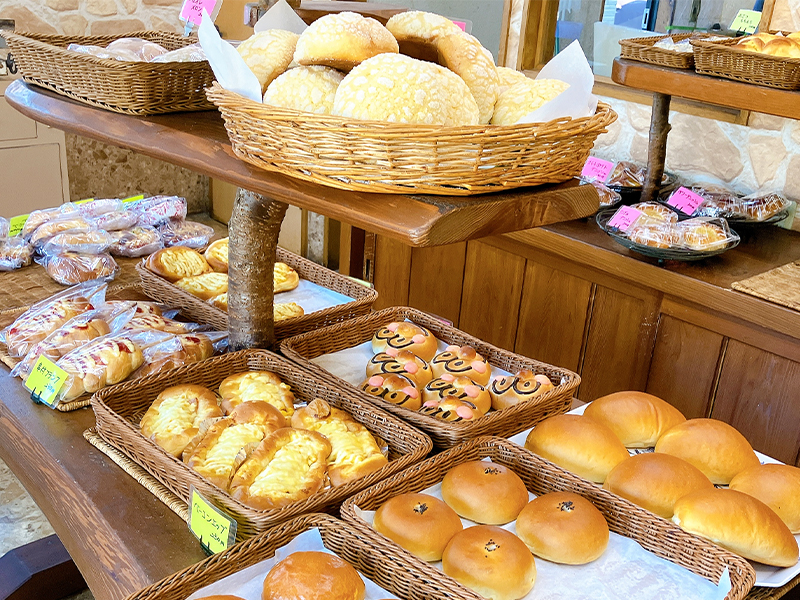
{"x": 395, "y": 388}
{"x": 462, "y": 388}
{"x": 462, "y": 361}
{"x": 509, "y": 390}
{"x": 405, "y": 336}
{"x": 404, "y": 362}
{"x": 451, "y": 408}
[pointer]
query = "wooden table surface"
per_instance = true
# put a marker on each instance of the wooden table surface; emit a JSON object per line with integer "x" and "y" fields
{"x": 198, "y": 141}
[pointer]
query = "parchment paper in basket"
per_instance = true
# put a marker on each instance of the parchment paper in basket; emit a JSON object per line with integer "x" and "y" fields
{"x": 569, "y": 65}
{"x": 248, "y": 583}
{"x": 281, "y": 16}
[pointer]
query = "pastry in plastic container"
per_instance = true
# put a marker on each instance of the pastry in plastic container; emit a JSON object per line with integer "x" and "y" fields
{"x": 98, "y": 207}
{"x": 704, "y": 233}
{"x": 183, "y": 349}
{"x": 608, "y": 197}
{"x": 627, "y": 178}
{"x": 657, "y": 211}
{"x": 161, "y": 323}
{"x": 15, "y": 253}
{"x": 760, "y": 206}
{"x": 178, "y": 232}
{"x": 135, "y": 242}
{"x": 159, "y": 209}
{"x": 657, "y": 234}
{"x": 83, "y": 242}
{"x": 69, "y": 268}
{"x": 116, "y": 220}
{"x": 145, "y": 50}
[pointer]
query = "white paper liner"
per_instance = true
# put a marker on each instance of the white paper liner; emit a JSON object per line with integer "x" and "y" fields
{"x": 625, "y": 571}
{"x": 248, "y": 583}
{"x": 312, "y": 297}
{"x": 766, "y": 576}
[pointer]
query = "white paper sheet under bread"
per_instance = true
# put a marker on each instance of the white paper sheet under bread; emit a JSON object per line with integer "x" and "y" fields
{"x": 248, "y": 583}
{"x": 312, "y": 297}
{"x": 766, "y": 576}
{"x": 626, "y": 570}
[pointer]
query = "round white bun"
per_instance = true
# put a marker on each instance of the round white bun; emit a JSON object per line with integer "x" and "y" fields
{"x": 309, "y": 89}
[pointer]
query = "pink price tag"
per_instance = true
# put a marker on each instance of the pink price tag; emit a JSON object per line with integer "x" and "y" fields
{"x": 597, "y": 169}
{"x": 624, "y": 218}
{"x": 685, "y": 200}
{"x": 462, "y": 25}
{"x": 192, "y": 10}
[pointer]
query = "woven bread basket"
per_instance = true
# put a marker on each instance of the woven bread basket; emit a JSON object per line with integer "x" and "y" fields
{"x": 643, "y": 49}
{"x": 401, "y": 158}
{"x": 304, "y": 348}
{"x": 119, "y": 409}
{"x": 134, "y": 88}
{"x": 723, "y": 59}
{"x": 658, "y": 536}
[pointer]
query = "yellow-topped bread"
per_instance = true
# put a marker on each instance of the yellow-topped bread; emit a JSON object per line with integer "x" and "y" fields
{"x": 285, "y": 278}
{"x": 205, "y": 286}
{"x": 176, "y": 263}
{"x": 256, "y": 385}
{"x": 217, "y": 255}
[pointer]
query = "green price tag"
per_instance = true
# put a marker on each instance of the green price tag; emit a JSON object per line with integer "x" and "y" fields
{"x": 85, "y": 200}
{"x": 134, "y": 198}
{"x": 16, "y": 224}
{"x": 746, "y": 21}
{"x": 215, "y": 530}
{"x": 45, "y": 380}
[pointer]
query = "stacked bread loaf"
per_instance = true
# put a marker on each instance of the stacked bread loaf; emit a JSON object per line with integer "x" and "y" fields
{"x": 771, "y": 44}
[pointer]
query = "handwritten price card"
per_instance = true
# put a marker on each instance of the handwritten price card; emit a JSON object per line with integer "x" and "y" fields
{"x": 685, "y": 200}
{"x": 625, "y": 218}
{"x": 746, "y": 21}
{"x": 16, "y": 224}
{"x": 45, "y": 381}
{"x": 215, "y": 530}
{"x": 597, "y": 169}
{"x": 192, "y": 10}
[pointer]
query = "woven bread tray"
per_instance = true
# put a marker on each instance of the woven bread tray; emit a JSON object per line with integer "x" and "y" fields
{"x": 401, "y": 158}
{"x": 374, "y": 560}
{"x": 202, "y": 312}
{"x": 723, "y": 59}
{"x": 134, "y": 88}
{"x": 643, "y": 50}
{"x": 304, "y": 348}
{"x": 119, "y": 409}
{"x": 658, "y": 536}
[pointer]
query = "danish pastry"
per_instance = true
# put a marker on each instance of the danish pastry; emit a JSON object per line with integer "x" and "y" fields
{"x": 256, "y": 385}
{"x": 405, "y": 335}
{"x": 205, "y": 286}
{"x": 657, "y": 211}
{"x": 451, "y": 408}
{"x": 287, "y": 466}
{"x": 285, "y": 278}
{"x": 395, "y": 388}
{"x": 176, "y": 263}
{"x": 656, "y": 235}
{"x": 15, "y": 253}
{"x": 268, "y": 54}
{"x": 103, "y": 361}
{"x": 702, "y": 235}
{"x": 217, "y": 255}
{"x": 181, "y": 350}
{"x": 175, "y": 416}
{"x": 509, "y": 390}
{"x": 462, "y": 388}
{"x": 135, "y": 242}
{"x": 462, "y": 361}
{"x": 404, "y": 362}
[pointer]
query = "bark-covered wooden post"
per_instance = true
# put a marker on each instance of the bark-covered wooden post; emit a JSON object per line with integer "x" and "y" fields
{"x": 657, "y": 146}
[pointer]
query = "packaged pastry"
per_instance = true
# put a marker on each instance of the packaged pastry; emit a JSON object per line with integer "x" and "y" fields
{"x": 70, "y": 222}
{"x": 98, "y": 207}
{"x": 176, "y": 263}
{"x": 83, "y": 242}
{"x": 217, "y": 255}
{"x": 183, "y": 349}
{"x": 148, "y": 308}
{"x": 657, "y": 211}
{"x": 656, "y": 234}
{"x": 178, "y": 232}
{"x": 69, "y": 268}
{"x": 159, "y": 209}
{"x": 608, "y": 197}
{"x": 190, "y": 53}
{"x": 161, "y": 323}
{"x": 46, "y": 316}
{"x": 39, "y": 217}
{"x": 4, "y": 229}
{"x": 145, "y": 50}
{"x": 15, "y": 253}
{"x": 704, "y": 233}
{"x": 120, "y": 54}
{"x": 760, "y": 206}
{"x": 135, "y": 242}
{"x": 116, "y": 220}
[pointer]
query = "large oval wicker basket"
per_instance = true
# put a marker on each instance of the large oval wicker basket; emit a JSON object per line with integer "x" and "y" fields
{"x": 400, "y": 158}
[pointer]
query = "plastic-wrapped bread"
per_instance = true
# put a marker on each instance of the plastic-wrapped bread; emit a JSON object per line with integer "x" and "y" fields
{"x": 183, "y": 349}
{"x": 309, "y": 89}
{"x": 135, "y": 242}
{"x": 179, "y": 232}
{"x": 15, "y": 253}
{"x": 69, "y": 268}
{"x": 159, "y": 209}
{"x": 39, "y": 217}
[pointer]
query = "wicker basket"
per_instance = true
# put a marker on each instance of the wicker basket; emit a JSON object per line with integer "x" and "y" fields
{"x": 723, "y": 59}
{"x": 659, "y": 536}
{"x": 119, "y": 409}
{"x": 134, "y": 88}
{"x": 303, "y": 348}
{"x": 202, "y": 312}
{"x": 400, "y": 158}
{"x": 643, "y": 50}
{"x": 374, "y": 560}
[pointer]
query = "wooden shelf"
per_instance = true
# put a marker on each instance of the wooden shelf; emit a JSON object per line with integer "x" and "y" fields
{"x": 198, "y": 141}
{"x": 687, "y": 84}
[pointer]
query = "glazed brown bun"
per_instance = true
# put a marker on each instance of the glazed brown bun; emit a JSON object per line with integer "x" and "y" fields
{"x": 777, "y": 486}
{"x": 564, "y": 528}
{"x": 712, "y": 446}
{"x": 484, "y": 492}
{"x": 579, "y": 444}
{"x": 637, "y": 419}
{"x": 491, "y": 562}
{"x": 655, "y": 481}
{"x": 313, "y": 576}
{"x": 419, "y": 523}
{"x": 738, "y": 523}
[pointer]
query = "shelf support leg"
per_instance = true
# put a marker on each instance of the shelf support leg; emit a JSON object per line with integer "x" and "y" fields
{"x": 254, "y": 227}
{"x": 657, "y": 146}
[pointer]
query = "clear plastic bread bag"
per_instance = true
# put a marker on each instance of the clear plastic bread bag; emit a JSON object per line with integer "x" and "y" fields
{"x": 185, "y": 233}
{"x": 39, "y": 217}
{"x": 5, "y": 226}
{"x": 70, "y": 268}
{"x": 162, "y": 323}
{"x": 120, "y": 54}
{"x": 145, "y": 307}
{"x": 100, "y": 206}
{"x": 78, "y": 331}
{"x": 145, "y": 50}
{"x": 705, "y": 234}
{"x": 626, "y": 174}
{"x": 762, "y": 205}
{"x": 718, "y": 201}
{"x": 135, "y": 242}
{"x": 15, "y": 253}
{"x": 73, "y": 222}
{"x": 160, "y": 209}
{"x": 182, "y": 350}
{"x": 46, "y": 316}
{"x": 83, "y": 242}
{"x": 105, "y": 361}
{"x": 191, "y": 53}
{"x": 116, "y": 220}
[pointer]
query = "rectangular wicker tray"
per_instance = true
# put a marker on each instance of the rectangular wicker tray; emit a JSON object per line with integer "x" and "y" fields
{"x": 643, "y": 50}
{"x": 134, "y": 88}
{"x": 202, "y": 312}
{"x": 723, "y": 59}
{"x": 119, "y": 409}
{"x": 655, "y": 535}
{"x": 303, "y": 348}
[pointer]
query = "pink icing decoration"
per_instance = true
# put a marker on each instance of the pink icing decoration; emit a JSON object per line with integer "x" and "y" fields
{"x": 431, "y": 403}
{"x": 375, "y": 381}
{"x": 418, "y": 339}
{"x": 453, "y": 348}
{"x": 410, "y": 392}
{"x": 478, "y": 366}
{"x": 448, "y": 378}
{"x": 465, "y": 412}
{"x": 472, "y": 391}
{"x": 411, "y": 367}
{"x": 391, "y": 351}
{"x": 393, "y": 327}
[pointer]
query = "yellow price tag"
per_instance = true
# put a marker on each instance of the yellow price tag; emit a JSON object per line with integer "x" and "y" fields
{"x": 45, "y": 381}
{"x": 215, "y": 530}
{"x": 85, "y": 200}
{"x": 746, "y": 21}
{"x": 16, "y": 224}
{"x": 134, "y": 198}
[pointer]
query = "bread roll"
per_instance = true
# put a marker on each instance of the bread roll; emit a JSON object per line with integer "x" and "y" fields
{"x": 509, "y": 390}
{"x": 69, "y": 268}
{"x": 343, "y": 40}
{"x": 698, "y": 234}
{"x": 401, "y": 89}
{"x": 466, "y": 57}
{"x": 313, "y": 576}
{"x": 712, "y": 446}
{"x": 484, "y": 492}
{"x": 462, "y": 361}
{"x": 579, "y": 444}
{"x": 564, "y": 528}
{"x": 268, "y": 54}
{"x": 509, "y": 78}
{"x": 404, "y": 335}
{"x": 419, "y": 523}
{"x": 451, "y": 408}
{"x": 655, "y": 481}
{"x": 525, "y": 97}
{"x": 395, "y": 388}
{"x": 490, "y": 561}
{"x": 777, "y": 486}
{"x": 638, "y": 419}
{"x": 782, "y": 47}
{"x": 308, "y": 89}
{"x": 738, "y": 523}
{"x": 419, "y": 26}
{"x": 462, "y": 388}
{"x": 403, "y": 362}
